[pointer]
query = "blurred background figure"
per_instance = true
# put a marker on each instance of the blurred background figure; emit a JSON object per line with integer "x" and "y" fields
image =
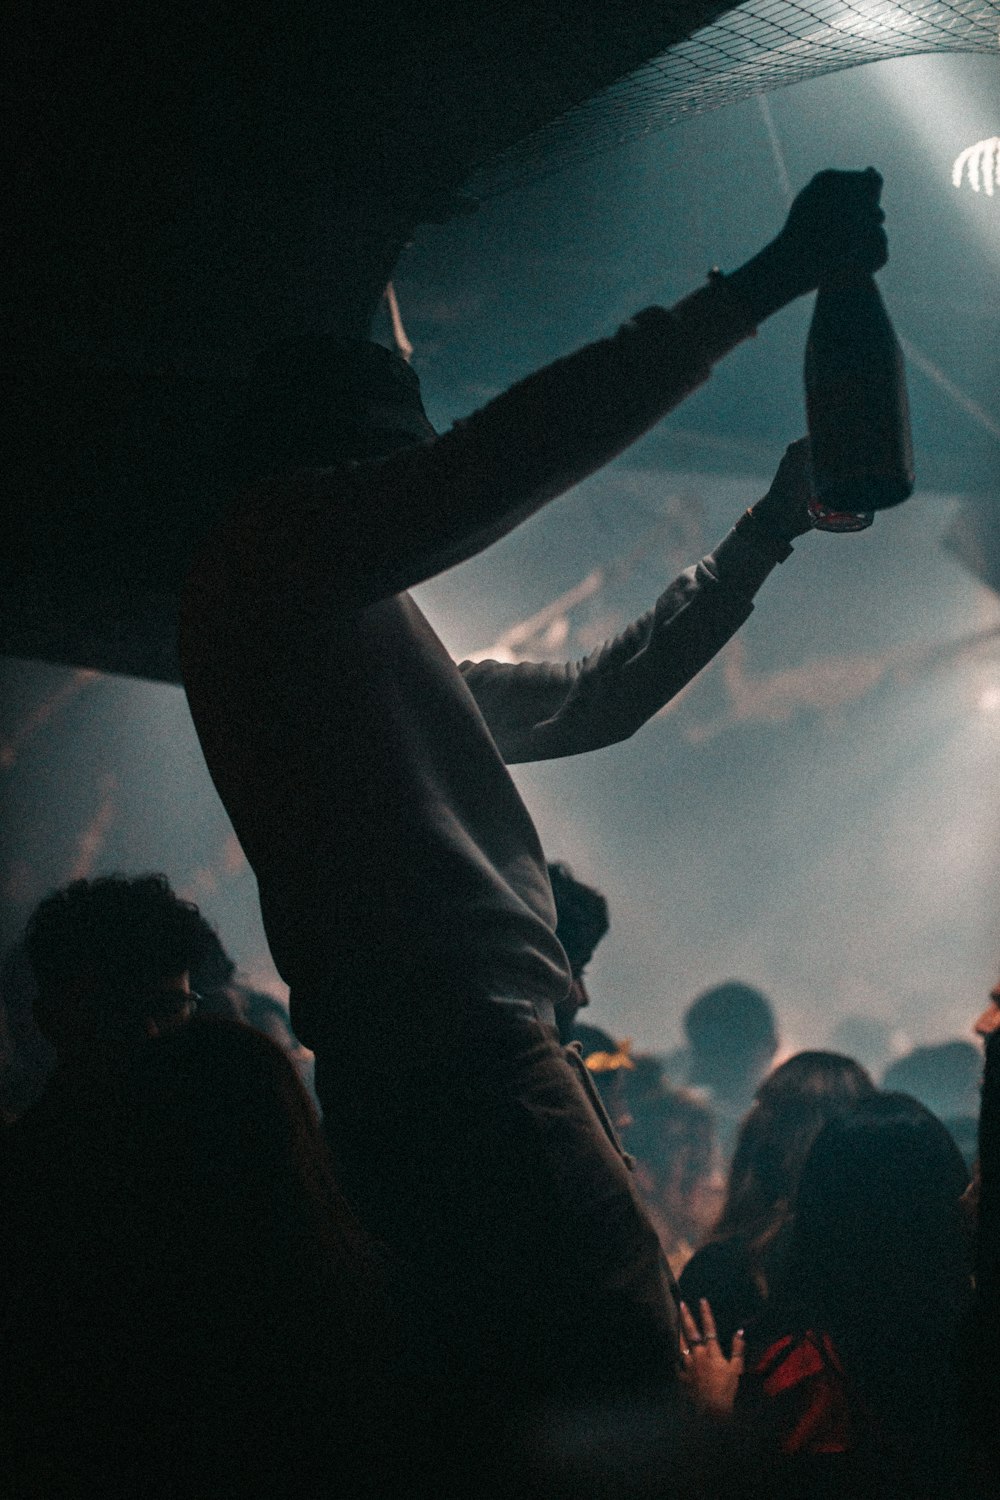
{"x": 945, "y": 1078}
{"x": 668, "y": 1132}
{"x": 581, "y": 922}
{"x": 732, "y": 1038}
{"x": 93, "y": 948}
{"x": 672, "y": 1137}
{"x": 607, "y": 1066}
{"x": 111, "y": 963}
{"x": 744, "y": 1260}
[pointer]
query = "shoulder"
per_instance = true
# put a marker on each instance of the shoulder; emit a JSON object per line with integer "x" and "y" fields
{"x": 717, "y": 1263}
{"x": 721, "y": 1273}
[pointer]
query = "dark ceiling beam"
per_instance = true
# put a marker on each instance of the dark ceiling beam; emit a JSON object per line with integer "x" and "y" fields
{"x": 193, "y": 183}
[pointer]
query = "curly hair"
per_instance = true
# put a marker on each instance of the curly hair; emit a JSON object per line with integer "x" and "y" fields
{"x": 122, "y": 934}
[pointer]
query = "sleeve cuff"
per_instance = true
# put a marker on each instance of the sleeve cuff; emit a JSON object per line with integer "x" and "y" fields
{"x": 742, "y": 559}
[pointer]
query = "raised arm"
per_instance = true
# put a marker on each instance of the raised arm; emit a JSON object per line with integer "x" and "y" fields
{"x": 540, "y": 711}
{"x": 353, "y": 535}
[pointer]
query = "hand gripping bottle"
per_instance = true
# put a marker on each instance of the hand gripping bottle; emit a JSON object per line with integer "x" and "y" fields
{"x": 856, "y": 405}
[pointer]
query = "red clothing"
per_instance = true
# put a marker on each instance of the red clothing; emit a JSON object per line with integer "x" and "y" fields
{"x": 800, "y": 1379}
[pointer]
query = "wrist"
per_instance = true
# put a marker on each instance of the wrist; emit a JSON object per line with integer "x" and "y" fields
{"x": 769, "y": 281}
{"x": 768, "y": 538}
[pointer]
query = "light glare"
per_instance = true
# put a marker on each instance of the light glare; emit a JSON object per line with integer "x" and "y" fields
{"x": 981, "y": 163}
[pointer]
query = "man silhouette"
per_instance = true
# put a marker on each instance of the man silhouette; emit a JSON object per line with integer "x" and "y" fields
{"x": 403, "y": 886}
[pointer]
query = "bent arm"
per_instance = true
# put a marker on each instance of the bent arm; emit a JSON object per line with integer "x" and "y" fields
{"x": 353, "y": 535}
{"x": 540, "y": 711}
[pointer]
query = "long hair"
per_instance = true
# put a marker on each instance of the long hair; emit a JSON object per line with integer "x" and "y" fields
{"x": 879, "y": 1260}
{"x": 988, "y": 1234}
{"x": 983, "y": 1330}
{"x": 791, "y": 1107}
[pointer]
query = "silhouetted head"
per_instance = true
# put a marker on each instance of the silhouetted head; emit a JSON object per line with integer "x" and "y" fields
{"x": 878, "y": 1255}
{"x": 878, "y": 1260}
{"x": 877, "y": 1204}
{"x": 113, "y": 959}
{"x": 733, "y": 1037}
{"x": 319, "y": 399}
{"x": 581, "y": 922}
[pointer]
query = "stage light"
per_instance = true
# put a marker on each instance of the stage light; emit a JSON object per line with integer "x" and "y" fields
{"x": 981, "y": 164}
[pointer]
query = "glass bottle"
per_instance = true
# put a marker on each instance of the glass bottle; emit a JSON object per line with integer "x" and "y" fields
{"x": 856, "y": 405}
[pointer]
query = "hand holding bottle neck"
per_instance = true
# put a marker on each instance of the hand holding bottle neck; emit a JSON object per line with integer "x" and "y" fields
{"x": 834, "y": 228}
{"x": 774, "y": 278}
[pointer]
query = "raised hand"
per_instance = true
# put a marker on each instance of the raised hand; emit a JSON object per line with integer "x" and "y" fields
{"x": 708, "y": 1376}
{"x": 835, "y": 224}
{"x": 784, "y": 510}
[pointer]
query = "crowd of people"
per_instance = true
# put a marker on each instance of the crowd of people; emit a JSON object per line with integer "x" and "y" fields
{"x": 444, "y": 1257}
{"x": 192, "y": 1305}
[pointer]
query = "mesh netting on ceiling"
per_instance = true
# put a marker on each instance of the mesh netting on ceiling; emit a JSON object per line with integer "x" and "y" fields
{"x": 752, "y": 49}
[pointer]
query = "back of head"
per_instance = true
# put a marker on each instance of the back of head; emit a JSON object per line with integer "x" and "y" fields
{"x": 791, "y": 1107}
{"x": 101, "y": 951}
{"x": 988, "y": 1239}
{"x": 877, "y": 1238}
{"x": 732, "y": 1034}
{"x": 581, "y": 916}
{"x": 878, "y": 1259}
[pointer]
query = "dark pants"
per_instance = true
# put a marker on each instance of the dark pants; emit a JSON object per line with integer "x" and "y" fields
{"x": 470, "y": 1146}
